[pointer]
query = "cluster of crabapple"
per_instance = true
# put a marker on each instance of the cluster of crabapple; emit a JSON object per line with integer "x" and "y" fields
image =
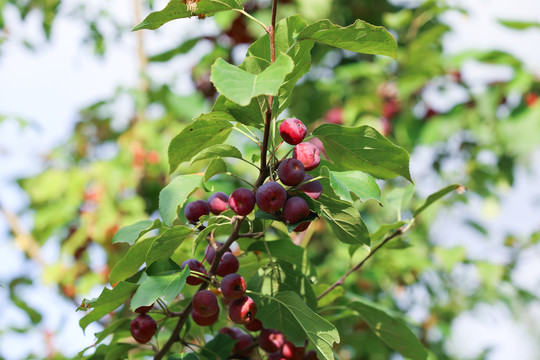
{"x": 272, "y": 197}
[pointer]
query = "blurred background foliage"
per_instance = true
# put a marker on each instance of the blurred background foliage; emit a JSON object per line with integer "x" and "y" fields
{"x": 109, "y": 173}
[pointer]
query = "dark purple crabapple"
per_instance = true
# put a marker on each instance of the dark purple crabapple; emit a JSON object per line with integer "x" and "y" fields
{"x": 243, "y": 310}
{"x": 143, "y": 328}
{"x": 293, "y": 131}
{"x": 210, "y": 253}
{"x": 195, "y": 209}
{"x": 312, "y": 189}
{"x": 271, "y": 197}
{"x": 243, "y": 346}
{"x": 218, "y": 202}
{"x": 242, "y": 201}
{"x": 233, "y": 333}
{"x": 233, "y": 286}
{"x": 295, "y": 210}
{"x": 205, "y": 303}
{"x": 308, "y": 154}
{"x": 204, "y": 321}
{"x": 228, "y": 264}
{"x": 291, "y": 172}
{"x": 194, "y": 265}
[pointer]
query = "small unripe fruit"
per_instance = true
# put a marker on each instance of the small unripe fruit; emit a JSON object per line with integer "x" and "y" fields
{"x": 218, "y": 202}
{"x": 233, "y": 286}
{"x": 194, "y": 265}
{"x": 143, "y": 328}
{"x": 228, "y": 264}
{"x": 295, "y": 210}
{"x": 308, "y": 154}
{"x": 204, "y": 321}
{"x": 243, "y": 310}
{"x": 293, "y": 131}
{"x": 255, "y": 325}
{"x": 243, "y": 346}
{"x": 205, "y": 303}
{"x": 271, "y": 197}
{"x": 242, "y": 201}
{"x": 271, "y": 340}
{"x": 291, "y": 172}
{"x": 195, "y": 209}
{"x": 312, "y": 189}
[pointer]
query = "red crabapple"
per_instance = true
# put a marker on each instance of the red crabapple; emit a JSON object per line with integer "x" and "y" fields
{"x": 242, "y": 201}
{"x": 295, "y": 210}
{"x": 194, "y": 265}
{"x": 210, "y": 253}
{"x": 233, "y": 286}
{"x": 205, "y": 303}
{"x": 243, "y": 346}
{"x": 271, "y": 340}
{"x": 308, "y": 154}
{"x": 271, "y": 197}
{"x": 195, "y": 209}
{"x": 243, "y": 310}
{"x": 312, "y": 189}
{"x": 228, "y": 264}
{"x": 255, "y": 325}
{"x": 218, "y": 202}
{"x": 204, "y": 321}
{"x": 291, "y": 172}
{"x": 293, "y": 131}
{"x": 143, "y": 328}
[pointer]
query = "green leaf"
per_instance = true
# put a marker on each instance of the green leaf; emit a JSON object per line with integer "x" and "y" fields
{"x": 131, "y": 233}
{"x": 345, "y": 183}
{"x": 282, "y": 250}
{"x": 216, "y": 166}
{"x": 166, "y": 244}
{"x": 35, "y": 317}
{"x": 241, "y": 86}
{"x": 207, "y": 130}
{"x": 215, "y": 151}
{"x": 108, "y": 301}
{"x": 252, "y": 115}
{"x": 385, "y": 229}
{"x": 175, "y": 194}
{"x": 519, "y": 25}
{"x": 390, "y": 330}
{"x": 132, "y": 261}
{"x": 219, "y": 348}
{"x": 176, "y": 9}
{"x": 112, "y": 328}
{"x": 288, "y": 313}
{"x": 363, "y": 148}
{"x": 345, "y": 220}
{"x": 153, "y": 287}
{"x": 359, "y": 37}
{"x": 436, "y": 196}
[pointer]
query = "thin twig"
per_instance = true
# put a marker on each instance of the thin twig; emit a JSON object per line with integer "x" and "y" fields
{"x": 402, "y": 230}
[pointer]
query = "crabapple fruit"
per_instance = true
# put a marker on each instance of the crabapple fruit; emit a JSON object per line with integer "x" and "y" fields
{"x": 242, "y": 201}
{"x": 295, "y": 210}
{"x": 302, "y": 227}
{"x": 308, "y": 154}
{"x": 233, "y": 286}
{"x": 243, "y": 346}
{"x": 218, "y": 202}
{"x": 227, "y": 265}
{"x": 243, "y": 310}
{"x": 204, "y": 321}
{"x": 271, "y": 197}
{"x": 143, "y": 328}
{"x": 312, "y": 189}
{"x": 255, "y": 325}
{"x": 311, "y": 355}
{"x": 195, "y": 209}
{"x": 271, "y": 340}
{"x": 194, "y": 265}
{"x": 210, "y": 253}
{"x": 293, "y": 131}
{"x": 291, "y": 172}
{"x": 205, "y": 303}
{"x": 233, "y": 333}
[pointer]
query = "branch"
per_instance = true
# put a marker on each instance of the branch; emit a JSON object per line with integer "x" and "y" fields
{"x": 402, "y": 230}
